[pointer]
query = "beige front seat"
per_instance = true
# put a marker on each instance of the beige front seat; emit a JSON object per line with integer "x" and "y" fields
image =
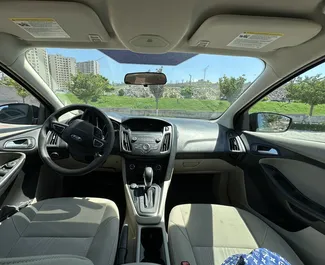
{"x": 207, "y": 234}
{"x": 86, "y": 227}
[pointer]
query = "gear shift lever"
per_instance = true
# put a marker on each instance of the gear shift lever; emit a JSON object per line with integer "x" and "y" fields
{"x": 148, "y": 177}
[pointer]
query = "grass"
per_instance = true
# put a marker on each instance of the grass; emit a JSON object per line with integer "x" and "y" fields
{"x": 194, "y": 104}
{"x": 149, "y": 103}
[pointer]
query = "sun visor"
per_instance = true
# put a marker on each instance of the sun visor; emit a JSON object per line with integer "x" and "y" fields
{"x": 51, "y": 21}
{"x": 253, "y": 33}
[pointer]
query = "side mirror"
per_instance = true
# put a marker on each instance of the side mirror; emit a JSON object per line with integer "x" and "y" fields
{"x": 269, "y": 122}
{"x": 19, "y": 113}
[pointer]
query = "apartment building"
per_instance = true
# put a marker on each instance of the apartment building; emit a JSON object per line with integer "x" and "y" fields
{"x": 61, "y": 69}
{"x": 38, "y": 59}
{"x": 88, "y": 67}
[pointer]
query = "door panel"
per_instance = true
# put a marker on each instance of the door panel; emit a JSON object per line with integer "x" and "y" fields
{"x": 309, "y": 149}
{"x": 10, "y": 166}
{"x": 287, "y": 184}
{"x": 307, "y": 178}
{"x": 19, "y": 142}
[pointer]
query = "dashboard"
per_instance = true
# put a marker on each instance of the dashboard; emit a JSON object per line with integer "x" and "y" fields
{"x": 145, "y": 137}
{"x": 193, "y": 136}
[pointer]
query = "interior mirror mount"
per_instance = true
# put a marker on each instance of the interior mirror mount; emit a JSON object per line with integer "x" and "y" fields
{"x": 145, "y": 78}
{"x": 269, "y": 122}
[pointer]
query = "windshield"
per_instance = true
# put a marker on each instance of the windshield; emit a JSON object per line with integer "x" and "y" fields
{"x": 199, "y": 86}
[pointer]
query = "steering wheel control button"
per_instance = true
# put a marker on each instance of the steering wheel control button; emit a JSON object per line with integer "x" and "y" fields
{"x": 132, "y": 167}
{"x": 76, "y": 137}
{"x": 58, "y": 128}
{"x": 97, "y": 144}
{"x": 98, "y": 133}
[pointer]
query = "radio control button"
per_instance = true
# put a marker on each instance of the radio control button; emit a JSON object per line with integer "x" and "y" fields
{"x": 146, "y": 147}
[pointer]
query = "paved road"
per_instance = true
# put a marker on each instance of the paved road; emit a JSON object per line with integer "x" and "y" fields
{"x": 303, "y": 135}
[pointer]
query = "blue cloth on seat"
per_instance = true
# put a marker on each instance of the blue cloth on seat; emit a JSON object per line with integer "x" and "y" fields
{"x": 259, "y": 256}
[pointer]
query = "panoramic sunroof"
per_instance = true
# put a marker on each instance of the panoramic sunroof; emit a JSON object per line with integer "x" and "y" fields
{"x": 128, "y": 57}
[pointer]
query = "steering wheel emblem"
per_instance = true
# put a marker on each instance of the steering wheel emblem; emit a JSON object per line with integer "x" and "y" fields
{"x": 76, "y": 137}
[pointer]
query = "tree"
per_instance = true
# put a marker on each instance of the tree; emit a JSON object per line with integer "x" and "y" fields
{"x": 121, "y": 92}
{"x": 187, "y": 92}
{"x": 308, "y": 89}
{"x": 22, "y": 92}
{"x": 88, "y": 87}
{"x": 157, "y": 90}
{"x": 230, "y": 87}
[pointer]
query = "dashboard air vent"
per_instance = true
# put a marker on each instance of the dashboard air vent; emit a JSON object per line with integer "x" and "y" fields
{"x": 126, "y": 141}
{"x": 53, "y": 139}
{"x": 233, "y": 144}
{"x": 165, "y": 143}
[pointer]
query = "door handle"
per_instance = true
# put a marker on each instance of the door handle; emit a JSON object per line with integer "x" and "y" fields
{"x": 264, "y": 150}
{"x": 22, "y": 143}
{"x": 271, "y": 151}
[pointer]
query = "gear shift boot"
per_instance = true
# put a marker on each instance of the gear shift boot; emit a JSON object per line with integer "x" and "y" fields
{"x": 146, "y": 198}
{"x": 149, "y": 202}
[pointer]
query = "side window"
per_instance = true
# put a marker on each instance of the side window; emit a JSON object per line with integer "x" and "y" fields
{"x": 17, "y": 105}
{"x": 296, "y": 109}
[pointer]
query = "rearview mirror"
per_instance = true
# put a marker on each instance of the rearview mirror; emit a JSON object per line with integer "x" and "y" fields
{"x": 146, "y": 78}
{"x": 269, "y": 122}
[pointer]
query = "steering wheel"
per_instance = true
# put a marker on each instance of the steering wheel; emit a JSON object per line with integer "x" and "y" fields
{"x": 82, "y": 137}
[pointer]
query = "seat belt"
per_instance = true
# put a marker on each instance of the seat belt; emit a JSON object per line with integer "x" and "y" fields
{"x": 8, "y": 210}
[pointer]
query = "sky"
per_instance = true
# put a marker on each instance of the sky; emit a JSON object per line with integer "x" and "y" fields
{"x": 218, "y": 65}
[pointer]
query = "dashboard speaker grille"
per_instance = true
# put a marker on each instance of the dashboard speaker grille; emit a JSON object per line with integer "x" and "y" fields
{"x": 165, "y": 143}
{"x": 126, "y": 141}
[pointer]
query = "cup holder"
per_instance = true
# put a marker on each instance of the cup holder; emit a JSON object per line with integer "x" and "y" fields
{"x": 152, "y": 244}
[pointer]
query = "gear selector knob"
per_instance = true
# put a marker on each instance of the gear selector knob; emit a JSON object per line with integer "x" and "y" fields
{"x": 148, "y": 177}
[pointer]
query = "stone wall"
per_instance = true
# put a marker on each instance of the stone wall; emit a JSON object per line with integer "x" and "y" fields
{"x": 297, "y": 118}
{"x": 164, "y": 113}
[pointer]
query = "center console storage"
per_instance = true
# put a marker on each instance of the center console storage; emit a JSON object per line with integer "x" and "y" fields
{"x": 152, "y": 245}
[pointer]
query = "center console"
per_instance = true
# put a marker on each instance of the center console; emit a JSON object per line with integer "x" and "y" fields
{"x": 148, "y": 146}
